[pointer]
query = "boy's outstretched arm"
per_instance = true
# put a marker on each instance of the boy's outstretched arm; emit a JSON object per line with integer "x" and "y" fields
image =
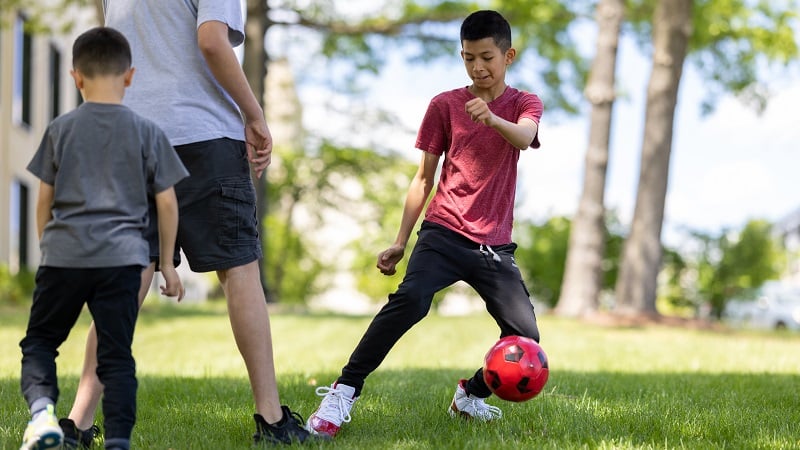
{"x": 519, "y": 134}
{"x": 44, "y": 206}
{"x": 167, "y": 208}
{"x": 417, "y": 195}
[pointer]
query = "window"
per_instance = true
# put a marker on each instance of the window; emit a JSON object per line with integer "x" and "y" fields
{"x": 23, "y": 61}
{"x": 55, "y": 81}
{"x": 19, "y": 226}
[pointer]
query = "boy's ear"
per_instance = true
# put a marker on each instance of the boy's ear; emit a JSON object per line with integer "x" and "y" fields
{"x": 129, "y": 76}
{"x": 511, "y": 53}
{"x": 78, "y": 77}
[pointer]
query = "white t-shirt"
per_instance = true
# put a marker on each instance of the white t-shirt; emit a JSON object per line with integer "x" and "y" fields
{"x": 172, "y": 84}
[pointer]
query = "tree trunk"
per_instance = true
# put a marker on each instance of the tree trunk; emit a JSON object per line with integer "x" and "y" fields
{"x": 583, "y": 273}
{"x": 641, "y": 258}
{"x": 98, "y": 8}
{"x": 255, "y": 68}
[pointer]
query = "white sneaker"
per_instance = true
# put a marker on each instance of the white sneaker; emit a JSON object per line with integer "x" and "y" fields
{"x": 333, "y": 410}
{"x": 471, "y": 407}
{"x": 43, "y": 431}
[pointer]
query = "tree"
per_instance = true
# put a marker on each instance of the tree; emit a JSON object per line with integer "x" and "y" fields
{"x": 636, "y": 286}
{"x": 50, "y": 16}
{"x": 541, "y": 255}
{"x": 582, "y": 281}
{"x": 360, "y": 43}
{"x": 254, "y": 65}
{"x": 730, "y": 39}
{"x": 733, "y": 263}
{"x": 311, "y": 190}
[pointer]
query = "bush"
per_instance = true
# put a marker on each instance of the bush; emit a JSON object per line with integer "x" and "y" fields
{"x": 16, "y": 289}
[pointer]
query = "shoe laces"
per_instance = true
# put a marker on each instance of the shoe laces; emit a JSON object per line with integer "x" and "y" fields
{"x": 482, "y": 409}
{"x": 336, "y": 405}
{"x": 293, "y": 416}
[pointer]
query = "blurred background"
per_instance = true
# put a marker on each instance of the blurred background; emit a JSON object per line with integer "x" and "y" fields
{"x": 666, "y": 184}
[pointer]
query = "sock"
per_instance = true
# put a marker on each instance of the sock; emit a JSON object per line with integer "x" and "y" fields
{"x": 40, "y": 405}
{"x": 477, "y": 388}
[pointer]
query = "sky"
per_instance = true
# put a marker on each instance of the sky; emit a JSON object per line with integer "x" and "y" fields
{"x": 726, "y": 168}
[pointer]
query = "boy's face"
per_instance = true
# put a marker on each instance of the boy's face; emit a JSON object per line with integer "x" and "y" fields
{"x": 485, "y": 62}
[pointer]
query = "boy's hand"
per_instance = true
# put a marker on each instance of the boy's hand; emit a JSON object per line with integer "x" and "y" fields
{"x": 259, "y": 145}
{"x": 388, "y": 259}
{"x": 173, "y": 286}
{"x": 479, "y": 111}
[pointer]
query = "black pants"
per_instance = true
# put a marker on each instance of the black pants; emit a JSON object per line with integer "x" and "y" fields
{"x": 440, "y": 258}
{"x": 111, "y": 294}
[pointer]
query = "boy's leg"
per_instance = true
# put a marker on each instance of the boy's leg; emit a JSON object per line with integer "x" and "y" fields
{"x": 218, "y": 231}
{"x": 247, "y": 311}
{"x": 435, "y": 263}
{"x": 501, "y": 286}
{"x": 89, "y": 387}
{"x": 57, "y": 302}
{"x": 115, "y": 308}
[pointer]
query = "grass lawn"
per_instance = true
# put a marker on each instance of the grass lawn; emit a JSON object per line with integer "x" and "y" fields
{"x": 610, "y": 388}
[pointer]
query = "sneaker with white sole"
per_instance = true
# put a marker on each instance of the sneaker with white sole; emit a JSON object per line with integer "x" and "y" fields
{"x": 333, "y": 411}
{"x": 471, "y": 407}
{"x": 43, "y": 431}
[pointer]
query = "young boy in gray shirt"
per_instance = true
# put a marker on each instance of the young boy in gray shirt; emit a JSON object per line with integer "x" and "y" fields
{"x": 97, "y": 165}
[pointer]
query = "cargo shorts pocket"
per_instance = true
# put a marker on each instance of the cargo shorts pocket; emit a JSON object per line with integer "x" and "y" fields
{"x": 237, "y": 213}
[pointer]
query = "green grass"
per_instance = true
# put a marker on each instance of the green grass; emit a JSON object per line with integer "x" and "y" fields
{"x": 609, "y": 388}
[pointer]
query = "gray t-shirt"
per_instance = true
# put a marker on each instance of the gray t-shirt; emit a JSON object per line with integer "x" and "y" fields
{"x": 172, "y": 85}
{"x": 102, "y": 160}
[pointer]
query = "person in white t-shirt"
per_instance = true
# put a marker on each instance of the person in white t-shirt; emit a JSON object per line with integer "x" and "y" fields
{"x": 190, "y": 82}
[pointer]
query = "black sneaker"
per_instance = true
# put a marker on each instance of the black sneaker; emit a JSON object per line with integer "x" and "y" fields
{"x": 288, "y": 430}
{"x": 75, "y": 438}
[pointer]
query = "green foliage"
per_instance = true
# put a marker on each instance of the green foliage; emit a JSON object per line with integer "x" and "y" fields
{"x": 549, "y": 61}
{"x": 733, "y": 43}
{"x": 674, "y": 296}
{"x": 292, "y": 269}
{"x": 308, "y": 191}
{"x": 546, "y": 29}
{"x": 51, "y": 17}
{"x": 16, "y": 289}
{"x": 541, "y": 256}
{"x": 731, "y": 263}
{"x": 734, "y": 39}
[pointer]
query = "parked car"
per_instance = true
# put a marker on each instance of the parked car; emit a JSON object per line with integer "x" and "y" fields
{"x": 776, "y": 307}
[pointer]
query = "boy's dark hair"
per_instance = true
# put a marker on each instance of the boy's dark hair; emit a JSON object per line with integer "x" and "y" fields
{"x": 484, "y": 24}
{"x": 101, "y": 51}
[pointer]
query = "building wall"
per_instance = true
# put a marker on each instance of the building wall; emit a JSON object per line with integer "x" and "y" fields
{"x": 18, "y": 141}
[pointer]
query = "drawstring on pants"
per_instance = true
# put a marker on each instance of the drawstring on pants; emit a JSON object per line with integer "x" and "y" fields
{"x": 484, "y": 248}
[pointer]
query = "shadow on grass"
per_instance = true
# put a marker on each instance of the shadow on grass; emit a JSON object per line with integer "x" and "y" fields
{"x": 407, "y": 409}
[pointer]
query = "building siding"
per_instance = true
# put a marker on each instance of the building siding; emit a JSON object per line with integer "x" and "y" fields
{"x": 19, "y": 141}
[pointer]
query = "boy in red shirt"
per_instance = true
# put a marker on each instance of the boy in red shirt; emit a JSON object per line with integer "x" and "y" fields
{"x": 466, "y": 232}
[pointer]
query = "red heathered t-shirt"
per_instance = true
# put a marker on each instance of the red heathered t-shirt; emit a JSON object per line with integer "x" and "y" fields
{"x": 477, "y": 185}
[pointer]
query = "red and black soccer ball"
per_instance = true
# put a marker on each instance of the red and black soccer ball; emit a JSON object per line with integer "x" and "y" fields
{"x": 515, "y": 368}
